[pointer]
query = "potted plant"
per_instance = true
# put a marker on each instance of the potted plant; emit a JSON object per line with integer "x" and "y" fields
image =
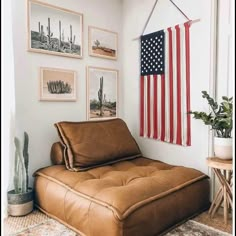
{"x": 20, "y": 199}
{"x": 221, "y": 122}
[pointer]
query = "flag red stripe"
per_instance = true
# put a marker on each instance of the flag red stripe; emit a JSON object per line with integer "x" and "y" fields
{"x": 187, "y": 46}
{"x": 178, "y": 58}
{"x": 155, "y": 106}
{"x": 142, "y": 106}
{"x": 171, "y": 86}
{"x": 148, "y": 106}
{"x": 163, "y": 99}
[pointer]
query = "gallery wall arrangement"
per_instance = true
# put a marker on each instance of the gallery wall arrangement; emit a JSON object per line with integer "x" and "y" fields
{"x": 58, "y": 31}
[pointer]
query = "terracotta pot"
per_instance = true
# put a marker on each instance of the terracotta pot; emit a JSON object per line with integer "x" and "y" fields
{"x": 223, "y": 147}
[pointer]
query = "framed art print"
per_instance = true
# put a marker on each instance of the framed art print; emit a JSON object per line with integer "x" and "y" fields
{"x": 102, "y": 93}
{"x": 57, "y": 84}
{"x": 102, "y": 43}
{"x": 54, "y": 30}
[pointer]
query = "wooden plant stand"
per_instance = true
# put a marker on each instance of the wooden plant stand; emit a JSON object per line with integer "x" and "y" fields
{"x": 221, "y": 168}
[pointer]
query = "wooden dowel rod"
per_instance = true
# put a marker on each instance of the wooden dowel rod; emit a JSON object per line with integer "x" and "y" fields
{"x": 190, "y": 22}
{"x": 194, "y": 21}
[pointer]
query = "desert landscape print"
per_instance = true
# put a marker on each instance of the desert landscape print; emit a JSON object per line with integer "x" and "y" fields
{"x": 55, "y": 31}
{"x": 103, "y": 43}
{"x": 57, "y": 84}
{"x": 103, "y": 50}
{"x": 102, "y": 94}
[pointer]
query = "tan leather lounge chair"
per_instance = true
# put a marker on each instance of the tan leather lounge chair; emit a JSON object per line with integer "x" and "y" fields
{"x": 101, "y": 185}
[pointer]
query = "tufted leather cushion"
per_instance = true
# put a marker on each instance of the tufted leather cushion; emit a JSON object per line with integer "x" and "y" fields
{"x": 129, "y": 196}
{"x": 96, "y": 143}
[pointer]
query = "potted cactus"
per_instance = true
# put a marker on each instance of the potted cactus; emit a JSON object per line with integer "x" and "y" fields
{"x": 20, "y": 199}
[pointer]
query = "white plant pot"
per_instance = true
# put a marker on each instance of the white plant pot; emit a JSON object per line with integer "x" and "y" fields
{"x": 223, "y": 148}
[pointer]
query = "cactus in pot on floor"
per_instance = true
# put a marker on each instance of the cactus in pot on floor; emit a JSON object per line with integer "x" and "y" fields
{"x": 20, "y": 200}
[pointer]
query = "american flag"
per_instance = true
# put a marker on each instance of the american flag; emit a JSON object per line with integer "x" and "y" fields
{"x": 165, "y": 85}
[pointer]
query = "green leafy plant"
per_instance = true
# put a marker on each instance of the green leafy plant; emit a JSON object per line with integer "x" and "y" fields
{"x": 21, "y": 177}
{"x": 220, "y": 117}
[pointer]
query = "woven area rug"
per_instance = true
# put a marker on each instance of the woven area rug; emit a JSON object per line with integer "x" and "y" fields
{"x": 38, "y": 224}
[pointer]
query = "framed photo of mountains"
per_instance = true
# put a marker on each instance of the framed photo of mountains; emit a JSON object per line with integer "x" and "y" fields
{"x": 54, "y": 30}
{"x": 102, "y": 43}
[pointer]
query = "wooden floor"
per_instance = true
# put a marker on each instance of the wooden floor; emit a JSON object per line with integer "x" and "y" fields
{"x": 217, "y": 221}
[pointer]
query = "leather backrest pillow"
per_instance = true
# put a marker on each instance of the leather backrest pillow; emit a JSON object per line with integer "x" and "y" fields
{"x": 91, "y": 144}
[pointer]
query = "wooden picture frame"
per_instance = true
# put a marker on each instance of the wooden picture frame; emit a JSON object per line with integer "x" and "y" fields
{"x": 102, "y": 43}
{"x": 102, "y": 93}
{"x": 54, "y": 30}
{"x": 57, "y": 84}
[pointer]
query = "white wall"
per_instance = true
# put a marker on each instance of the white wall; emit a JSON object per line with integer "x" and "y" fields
{"x": 225, "y": 78}
{"x": 135, "y": 14}
{"x": 225, "y": 60}
{"x": 8, "y": 101}
{"x": 37, "y": 117}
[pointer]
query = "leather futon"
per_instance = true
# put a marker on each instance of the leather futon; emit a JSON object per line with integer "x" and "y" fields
{"x": 101, "y": 185}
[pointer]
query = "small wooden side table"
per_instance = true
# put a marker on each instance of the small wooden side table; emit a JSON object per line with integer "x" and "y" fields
{"x": 224, "y": 194}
